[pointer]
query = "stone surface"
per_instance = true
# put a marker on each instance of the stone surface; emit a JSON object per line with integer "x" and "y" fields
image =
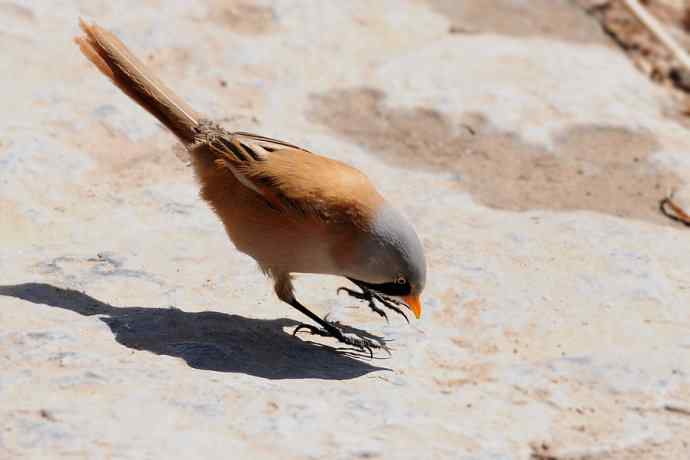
{"x": 531, "y": 159}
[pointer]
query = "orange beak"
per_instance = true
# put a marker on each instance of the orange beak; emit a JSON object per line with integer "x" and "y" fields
{"x": 415, "y": 304}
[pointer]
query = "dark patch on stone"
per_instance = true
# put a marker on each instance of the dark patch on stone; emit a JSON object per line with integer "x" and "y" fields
{"x": 598, "y": 168}
{"x": 558, "y": 19}
{"x": 681, "y": 78}
{"x": 242, "y": 17}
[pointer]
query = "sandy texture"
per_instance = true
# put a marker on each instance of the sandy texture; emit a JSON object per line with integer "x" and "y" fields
{"x": 531, "y": 160}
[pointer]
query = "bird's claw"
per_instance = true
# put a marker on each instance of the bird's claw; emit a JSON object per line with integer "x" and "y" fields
{"x": 366, "y": 297}
{"x": 376, "y": 309}
{"x": 352, "y": 293}
{"x": 370, "y": 297}
{"x": 311, "y": 329}
{"x": 392, "y": 304}
{"x": 361, "y": 343}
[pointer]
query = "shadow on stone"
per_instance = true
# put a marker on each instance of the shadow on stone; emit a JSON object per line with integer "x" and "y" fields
{"x": 206, "y": 340}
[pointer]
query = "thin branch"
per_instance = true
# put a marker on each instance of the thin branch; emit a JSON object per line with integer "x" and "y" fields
{"x": 655, "y": 27}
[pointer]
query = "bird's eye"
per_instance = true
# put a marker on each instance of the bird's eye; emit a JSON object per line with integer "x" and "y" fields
{"x": 400, "y": 280}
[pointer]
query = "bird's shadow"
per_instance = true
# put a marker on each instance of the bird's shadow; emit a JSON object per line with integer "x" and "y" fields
{"x": 207, "y": 340}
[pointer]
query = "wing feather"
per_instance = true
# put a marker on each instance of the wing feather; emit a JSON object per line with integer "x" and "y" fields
{"x": 291, "y": 178}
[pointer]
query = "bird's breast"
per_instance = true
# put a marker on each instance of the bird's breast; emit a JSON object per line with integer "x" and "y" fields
{"x": 276, "y": 239}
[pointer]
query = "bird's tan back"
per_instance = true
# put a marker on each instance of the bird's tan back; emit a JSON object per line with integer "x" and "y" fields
{"x": 322, "y": 203}
{"x": 330, "y": 189}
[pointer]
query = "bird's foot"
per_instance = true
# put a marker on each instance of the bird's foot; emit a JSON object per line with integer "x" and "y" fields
{"x": 370, "y": 297}
{"x": 331, "y": 330}
{"x": 367, "y": 298}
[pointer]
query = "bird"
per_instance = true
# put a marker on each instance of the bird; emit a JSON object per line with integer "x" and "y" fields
{"x": 292, "y": 210}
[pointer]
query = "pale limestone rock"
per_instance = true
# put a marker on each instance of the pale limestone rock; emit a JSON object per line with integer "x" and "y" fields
{"x": 132, "y": 329}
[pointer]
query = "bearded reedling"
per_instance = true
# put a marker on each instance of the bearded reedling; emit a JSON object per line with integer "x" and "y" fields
{"x": 292, "y": 210}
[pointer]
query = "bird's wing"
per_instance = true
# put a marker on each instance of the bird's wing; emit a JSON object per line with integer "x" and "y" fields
{"x": 291, "y": 178}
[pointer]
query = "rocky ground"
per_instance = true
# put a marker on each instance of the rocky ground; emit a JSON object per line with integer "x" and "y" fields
{"x": 527, "y": 148}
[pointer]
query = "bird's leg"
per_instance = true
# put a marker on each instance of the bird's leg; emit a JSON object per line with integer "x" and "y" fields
{"x": 370, "y": 296}
{"x": 328, "y": 329}
{"x": 285, "y": 292}
{"x": 366, "y": 297}
{"x": 392, "y": 304}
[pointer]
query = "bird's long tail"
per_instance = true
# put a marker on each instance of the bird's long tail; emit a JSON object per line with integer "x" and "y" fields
{"x": 129, "y": 74}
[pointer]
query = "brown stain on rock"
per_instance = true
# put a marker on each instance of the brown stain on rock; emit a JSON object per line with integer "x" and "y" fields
{"x": 121, "y": 164}
{"x": 16, "y": 12}
{"x": 605, "y": 169}
{"x": 167, "y": 60}
{"x": 559, "y": 19}
{"x": 242, "y": 17}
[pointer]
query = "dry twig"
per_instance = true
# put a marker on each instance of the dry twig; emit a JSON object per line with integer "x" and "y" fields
{"x": 674, "y": 212}
{"x": 655, "y": 27}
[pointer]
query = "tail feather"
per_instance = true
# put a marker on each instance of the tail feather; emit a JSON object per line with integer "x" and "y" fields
{"x": 129, "y": 74}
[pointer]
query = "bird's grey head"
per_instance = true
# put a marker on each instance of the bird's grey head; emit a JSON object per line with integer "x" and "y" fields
{"x": 391, "y": 259}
